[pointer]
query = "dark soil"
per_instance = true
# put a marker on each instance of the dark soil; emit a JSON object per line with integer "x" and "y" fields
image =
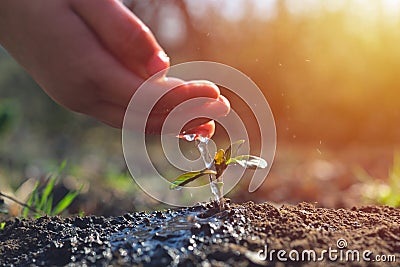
{"x": 202, "y": 236}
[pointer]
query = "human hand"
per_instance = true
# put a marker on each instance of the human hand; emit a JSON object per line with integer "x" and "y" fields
{"x": 91, "y": 56}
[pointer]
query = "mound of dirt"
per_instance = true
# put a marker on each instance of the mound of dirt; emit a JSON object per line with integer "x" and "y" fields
{"x": 243, "y": 235}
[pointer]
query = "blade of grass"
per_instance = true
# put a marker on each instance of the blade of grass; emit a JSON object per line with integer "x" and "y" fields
{"x": 62, "y": 166}
{"x": 25, "y": 211}
{"x": 49, "y": 205}
{"x": 36, "y": 200}
{"x": 46, "y": 193}
{"x": 65, "y": 202}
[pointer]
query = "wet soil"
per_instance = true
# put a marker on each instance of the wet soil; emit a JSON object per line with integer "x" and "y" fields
{"x": 243, "y": 235}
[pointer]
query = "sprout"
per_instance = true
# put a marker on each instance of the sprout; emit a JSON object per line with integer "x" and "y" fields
{"x": 216, "y": 168}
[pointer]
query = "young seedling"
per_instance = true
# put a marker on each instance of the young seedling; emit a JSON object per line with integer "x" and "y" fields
{"x": 217, "y": 166}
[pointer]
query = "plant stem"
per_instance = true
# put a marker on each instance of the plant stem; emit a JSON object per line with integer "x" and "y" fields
{"x": 202, "y": 146}
{"x": 19, "y": 202}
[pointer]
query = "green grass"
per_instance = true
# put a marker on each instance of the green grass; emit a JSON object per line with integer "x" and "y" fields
{"x": 41, "y": 201}
{"x": 379, "y": 192}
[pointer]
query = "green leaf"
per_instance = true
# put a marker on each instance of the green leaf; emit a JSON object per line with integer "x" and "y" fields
{"x": 65, "y": 202}
{"x": 248, "y": 161}
{"x": 62, "y": 166}
{"x": 188, "y": 177}
{"x": 233, "y": 149}
{"x": 36, "y": 200}
{"x": 49, "y": 205}
{"x": 46, "y": 193}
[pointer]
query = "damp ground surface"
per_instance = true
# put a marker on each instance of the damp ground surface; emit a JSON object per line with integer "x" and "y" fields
{"x": 243, "y": 235}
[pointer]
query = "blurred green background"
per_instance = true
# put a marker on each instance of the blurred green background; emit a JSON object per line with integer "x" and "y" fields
{"x": 329, "y": 69}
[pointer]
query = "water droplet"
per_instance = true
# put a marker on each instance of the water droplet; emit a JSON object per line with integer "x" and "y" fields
{"x": 203, "y": 139}
{"x": 178, "y": 188}
{"x": 188, "y": 137}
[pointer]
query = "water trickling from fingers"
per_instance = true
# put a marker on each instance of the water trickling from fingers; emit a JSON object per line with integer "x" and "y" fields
{"x": 202, "y": 146}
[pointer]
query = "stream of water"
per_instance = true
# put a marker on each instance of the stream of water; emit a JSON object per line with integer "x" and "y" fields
{"x": 202, "y": 146}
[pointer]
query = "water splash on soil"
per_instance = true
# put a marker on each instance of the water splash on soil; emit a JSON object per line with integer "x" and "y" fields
{"x": 165, "y": 236}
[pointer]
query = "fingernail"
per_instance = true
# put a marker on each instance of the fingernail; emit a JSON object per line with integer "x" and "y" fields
{"x": 158, "y": 62}
{"x": 220, "y": 107}
{"x": 210, "y": 108}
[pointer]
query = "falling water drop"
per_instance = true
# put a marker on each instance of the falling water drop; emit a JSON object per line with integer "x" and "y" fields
{"x": 202, "y": 146}
{"x": 202, "y": 138}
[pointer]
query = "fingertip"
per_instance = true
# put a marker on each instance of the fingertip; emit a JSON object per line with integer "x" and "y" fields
{"x": 203, "y": 88}
{"x": 158, "y": 62}
{"x": 204, "y": 130}
{"x": 218, "y": 108}
{"x": 210, "y": 128}
{"x": 225, "y": 103}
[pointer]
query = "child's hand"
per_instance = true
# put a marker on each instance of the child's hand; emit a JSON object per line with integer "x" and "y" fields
{"x": 90, "y": 56}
